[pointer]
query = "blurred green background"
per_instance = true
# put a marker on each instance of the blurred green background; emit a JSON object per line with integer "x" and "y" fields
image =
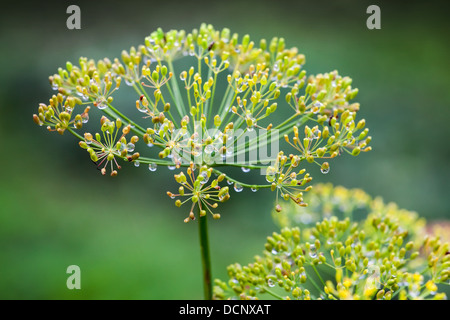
{"x": 125, "y": 234}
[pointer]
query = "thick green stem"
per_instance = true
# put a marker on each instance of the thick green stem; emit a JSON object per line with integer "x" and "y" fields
{"x": 206, "y": 261}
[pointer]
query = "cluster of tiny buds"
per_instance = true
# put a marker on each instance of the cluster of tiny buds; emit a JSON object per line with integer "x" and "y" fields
{"x": 288, "y": 183}
{"x": 105, "y": 151}
{"x": 381, "y": 257}
{"x": 57, "y": 115}
{"x": 198, "y": 191}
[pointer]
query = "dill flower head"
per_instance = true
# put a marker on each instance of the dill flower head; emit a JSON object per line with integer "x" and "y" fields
{"x": 355, "y": 247}
{"x": 206, "y": 100}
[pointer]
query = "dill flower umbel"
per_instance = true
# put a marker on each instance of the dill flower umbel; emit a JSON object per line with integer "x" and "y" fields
{"x": 355, "y": 247}
{"x": 212, "y": 99}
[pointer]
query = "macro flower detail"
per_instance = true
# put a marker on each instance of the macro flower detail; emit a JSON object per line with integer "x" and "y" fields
{"x": 288, "y": 184}
{"x": 199, "y": 192}
{"x": 105, "y": 151}
{"x": 58, "y": 114}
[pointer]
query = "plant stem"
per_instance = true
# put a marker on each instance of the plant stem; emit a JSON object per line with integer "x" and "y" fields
{"x": 206, "y": 261}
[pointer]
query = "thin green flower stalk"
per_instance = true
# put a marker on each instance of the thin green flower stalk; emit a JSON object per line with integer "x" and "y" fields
{"x": 227, "y": 99}
{"x": 349, "y": 246}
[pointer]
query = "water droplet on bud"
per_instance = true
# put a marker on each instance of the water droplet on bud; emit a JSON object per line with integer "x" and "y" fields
{"x": 209, "y": 149}
{"x": 130, "y": 147}
{"x": 270, "y": 174}
{"x": 312, "y": 251}
{"x": 102, "y": 105}
{"x": 129, "y": 82}
{"x": 238, "y": 187}
{"x": 152, "y": 166}
{"x": 205, "y": 179}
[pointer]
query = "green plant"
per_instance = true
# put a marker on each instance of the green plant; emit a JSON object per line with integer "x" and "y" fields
{"x": 227, "y": 102}
{"x": 345, "y": 245}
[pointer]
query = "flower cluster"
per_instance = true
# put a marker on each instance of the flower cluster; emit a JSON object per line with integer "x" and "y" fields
{"x": 199, "y": 192}
{"x": 214, "y": 110}
{"x": 287, "y": 182}
{"x": 106, "y": 152}
{"x": 383, "y": 256}
{"x": 58, "y": 115}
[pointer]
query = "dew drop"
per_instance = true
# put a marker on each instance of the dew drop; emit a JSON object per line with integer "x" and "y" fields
{"x": 205, "y": 179}
{"x": 244, "y": 169}
{"x": 318, "y": 104}
{"x": 238, "y": 187}
{"x": 152, "y": 166}
{"x": 130, "y": 147}
{"x": 312, "y": 251}
{"x": 137, "y": 163}
{"x": 85, "y": 118}
{"x": 274, "y": 252}
{"x": 129, "y": 82}
{"x": 209, "y": 149}
{"x": 325, "y": 170}
{"x": 270, "y": 174}
{"x": 149, "y": 145}
{"x": 270, "y": 283}
{"x": 229, "y": 182}
{"x": 171, "y": 167}
{"x": 250, "y": 128}
{"x": 254, "y": 189}
{"x": 141, "y": 108}
{"x": 102, "y": 105}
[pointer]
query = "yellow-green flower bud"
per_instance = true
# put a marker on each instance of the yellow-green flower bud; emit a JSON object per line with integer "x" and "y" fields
{"x": 217, "y": 120}
{"x": 356, "y": 151}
